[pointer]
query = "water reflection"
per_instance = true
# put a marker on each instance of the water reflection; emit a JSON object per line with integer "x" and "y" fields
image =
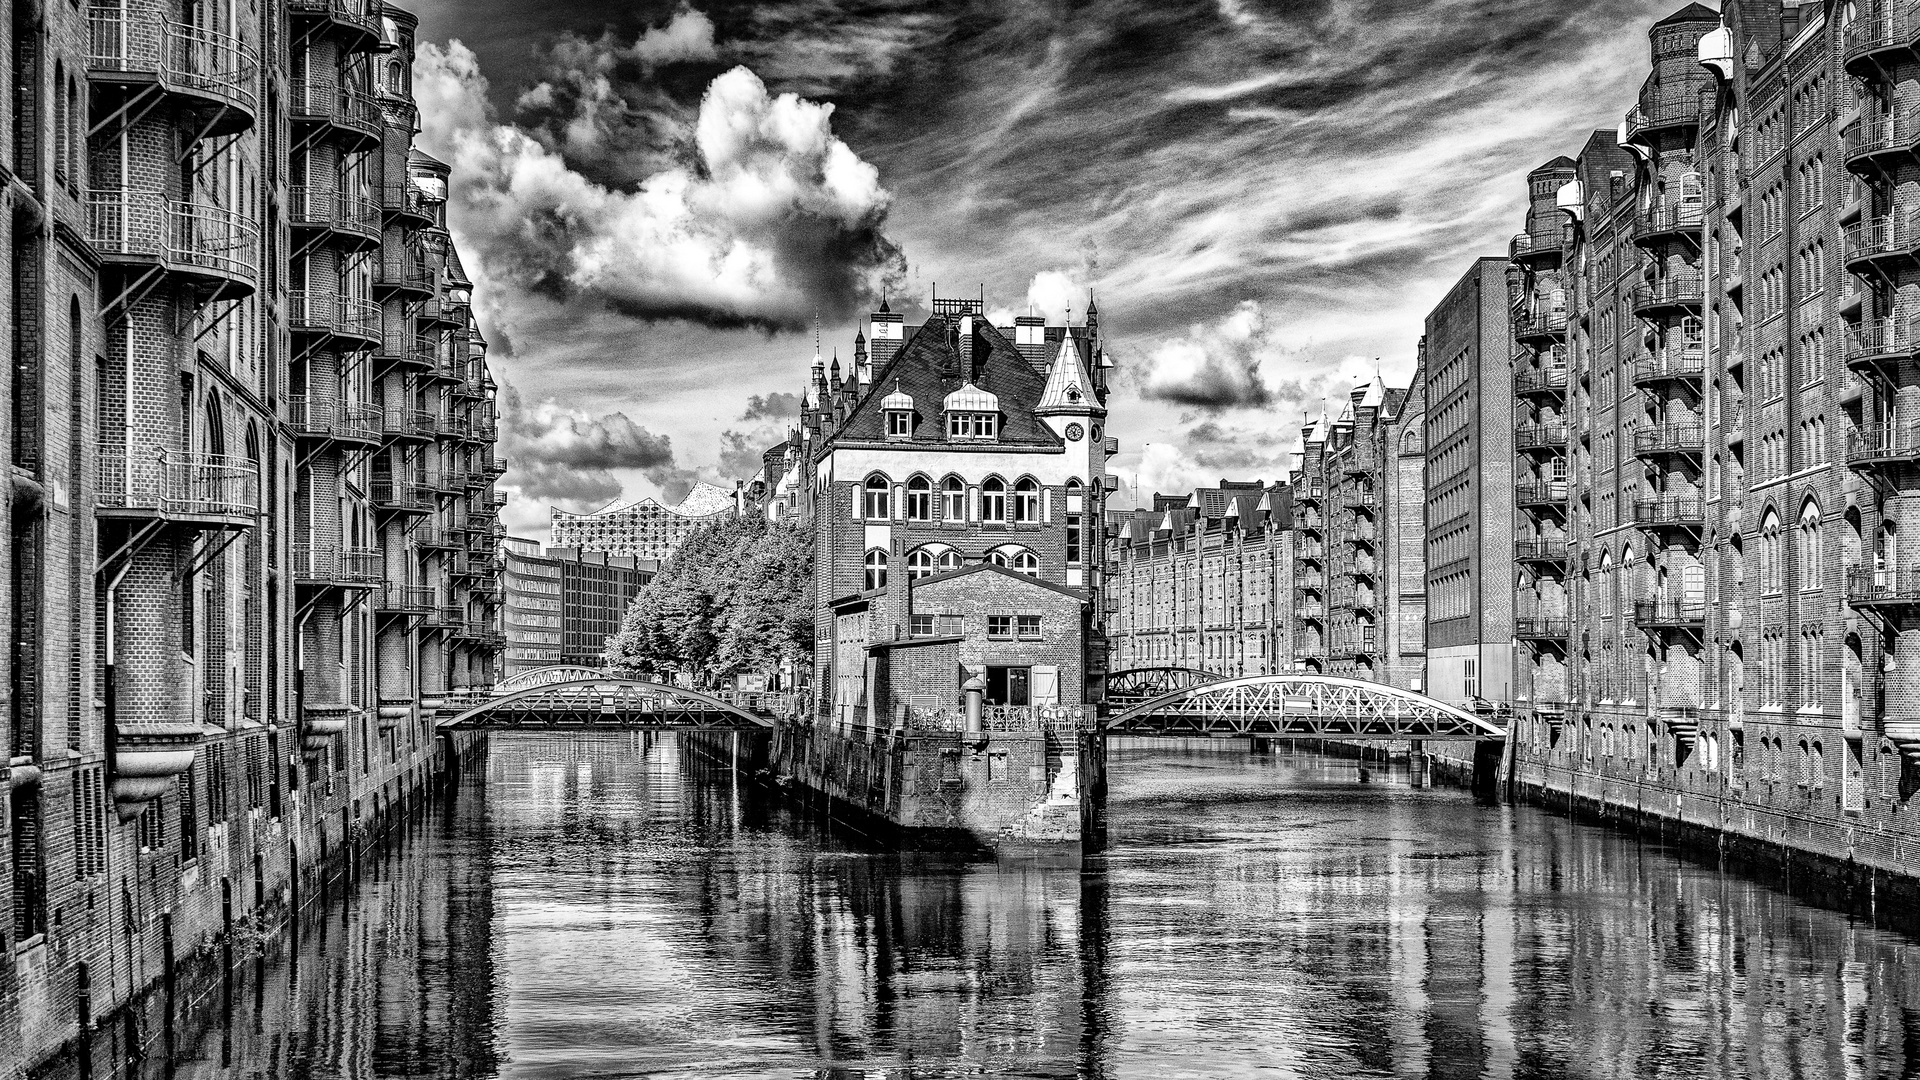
{"x": 616, "y": 907}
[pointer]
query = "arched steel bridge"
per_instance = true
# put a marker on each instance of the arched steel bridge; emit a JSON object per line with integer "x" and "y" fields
{"x": 604, "y": 703}
{"x": 1297, "y": 704}
{"x": 1140, "y": 684}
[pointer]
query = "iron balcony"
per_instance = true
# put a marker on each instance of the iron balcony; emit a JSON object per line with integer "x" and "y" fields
{"x": 322, "y": 315}
{"x": 1670, "y": 295}
{"x": 1879, "y": 242}
{"x": 347, "y": 114}
{"x": 409, "y": 424}
{"x": 329, "y": 565}
{"x": 217, "y": 75}
{"x": 1536, "y": 437}
{"x": 1536, "y": 324}
{"x": 1671, "y": 511}
{"x": 1531, "y": 628}
{"x": 1667, "y": 221}
{"x": 1359, "y": 500}
{"x": 214, "y": 247}
{"x": 1882, "y": 445}
{"x": 1670, "y": 614}
{"x": 1669, "y": 439}
{"x": 1672, "y": 103}
{"x": 1533, "y": 381}
{"x": 1875, "y": 342}
{"x": 1551, "y": 495}
{"x": 354, "y": 220}
{"x": 1536, "y": 249}
{"x": 1876, "y": 141}
{"x": 1533, "y": 552}
{"x": 334, "y": 421}
{"x": 404, "y": 198}
{"x": 1883, "y": 589}
{"x": 1670, "y": 365}
{"x": 404, "y": 599}
{"x": 1880, "y": 32}
{"x": 402, "y": 496}
{"x": 217, "y": 490}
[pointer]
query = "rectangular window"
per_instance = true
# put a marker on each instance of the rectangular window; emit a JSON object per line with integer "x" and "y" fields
{"x": 999, "y": 627}
{"x": 922, "y": 626}
{"x": 1073, "y": 539}
{"x": 899, "y": 424}
{"x": 1029, "y": 626}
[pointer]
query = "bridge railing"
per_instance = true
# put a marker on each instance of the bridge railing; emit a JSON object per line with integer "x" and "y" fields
{"x": 772, "y": 704}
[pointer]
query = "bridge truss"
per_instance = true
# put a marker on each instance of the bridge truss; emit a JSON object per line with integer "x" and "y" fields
{"x": 1140, "y": 684}
{"x": 606, "y": 704}
{"x": 1299, "y": 705}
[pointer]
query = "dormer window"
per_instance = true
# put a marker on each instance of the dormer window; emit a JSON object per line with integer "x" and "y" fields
{"x": 973, "y": 425}
{"x": 898, "y": 407}
{"x": 972, "y": 414}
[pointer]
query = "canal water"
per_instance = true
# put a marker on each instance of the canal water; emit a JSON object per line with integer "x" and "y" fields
{"x": 612, "y": 907}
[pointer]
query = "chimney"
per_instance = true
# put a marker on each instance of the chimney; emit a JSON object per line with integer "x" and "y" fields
{"x": 1030, "y": 337}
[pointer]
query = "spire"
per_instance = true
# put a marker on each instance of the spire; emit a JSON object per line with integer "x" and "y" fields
{"x": 1068, "y": 388}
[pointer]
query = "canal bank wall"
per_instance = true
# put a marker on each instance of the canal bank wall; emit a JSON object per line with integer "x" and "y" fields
{"x": 179, "y": 915}
{"x": 1009, "y": 792}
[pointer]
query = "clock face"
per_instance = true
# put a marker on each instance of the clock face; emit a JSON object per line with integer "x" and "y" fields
{"x": 1096, "y": 431}
{"x": 1074, "y": 433}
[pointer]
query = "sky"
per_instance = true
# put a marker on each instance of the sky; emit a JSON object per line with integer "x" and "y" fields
{"x": 657, "y": 200}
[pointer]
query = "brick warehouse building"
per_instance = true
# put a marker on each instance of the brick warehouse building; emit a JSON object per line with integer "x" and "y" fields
{"x": 1468, "y": 490}
{"x": 1204, "y": 581}
{"x": 1731, "y": 275}
{"x": 1359, "y": 538}
{"x": 956, "y": 488}
{"x": 251, "y": 478}
{"x": 562, "y": 604}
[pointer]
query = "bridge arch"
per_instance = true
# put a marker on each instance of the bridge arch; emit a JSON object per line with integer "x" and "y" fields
{"x": 605, "y": 703}
{"x": 546, "y": 676}
{"x": 1303, "y": 705}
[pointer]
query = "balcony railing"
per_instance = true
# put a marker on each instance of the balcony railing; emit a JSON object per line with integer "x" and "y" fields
{"x": 1540, "y": 380}
{"x": 1677, "y": 290}
{"x": 168, "y": 482}
{"x": 1867, "y": 587}
{"x": 333, "y": 209}
{"x": 340, "y": 106}
{"x": 327, "y": 563}
{"x": 1539, "y": 321}
{"x": 1884, "y": 134}
{"x": 1534, "y": 628}
{"x": 1877, "y": 444}
{"x": 429, "y": 534}
{"x": 405, "y": 271}
{"x": 360, "y": 13}
{"x": 414, "y": 598}
{"x": 328, "y": 419}
{"x": 1685, "y": 511}
{"x": 1552, "y": 436}
{"x": 407, "y": 423}
{"x": 1358, "y": 499}
{"x": 1536, "y": 551}
{"x": 1551, "y": 493}
{"x": 181, "y": 57}
{"x": 1879, "y": 27}
{"x": 1880, "y": 238}
{"x": 1531, "y": 245}
{"x": 182, "y": 235}
{"x": 1670, "y": 218}
{"x": 1670, "y": 613}
{"x": 405, "y": 197}
{"x": 1670, "y": 439}
{"x": 1674, "y": 102}
{"x": 401, "y": 495}
{"x": 1684, "y": 362}
{"x": 1881, "y": 339}
{"x": 349, "y": 315}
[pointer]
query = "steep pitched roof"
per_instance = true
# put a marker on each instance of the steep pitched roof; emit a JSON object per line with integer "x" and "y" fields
{"x": 1068, "y": 387}
{"x": 928, "y": 368}
{"x": 1691, "y": 13}
{"x": 995, "y": 568}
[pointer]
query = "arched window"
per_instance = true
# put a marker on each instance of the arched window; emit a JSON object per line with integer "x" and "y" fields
{"x": 876, "y": 569}
{"x": 993, "y": 500}
{"x": 1772, "y": 576}
{"x": 1026, "y": 500}
{"x": 877, "y": 505}
{"x": 949, "y": 560}
{"x": 1810, "y": 545}
{"x": 919, "y": 499}
{"x": 1017, "y": 559}
{"x": 953, "y": 499}
{"x": 919, "y": 564}
{"x": 1074, "y": 487}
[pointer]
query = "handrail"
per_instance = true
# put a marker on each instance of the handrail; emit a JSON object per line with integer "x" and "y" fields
{"x": 188, "y": 234}
{"x": 184, "y": 56}
{"x": 169, "y": 481}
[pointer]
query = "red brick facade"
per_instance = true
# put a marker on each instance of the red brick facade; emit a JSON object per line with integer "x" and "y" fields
{"x": 241, "y": 344}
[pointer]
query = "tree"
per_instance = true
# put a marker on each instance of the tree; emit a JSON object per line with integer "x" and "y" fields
{"x": 734, "y": 598}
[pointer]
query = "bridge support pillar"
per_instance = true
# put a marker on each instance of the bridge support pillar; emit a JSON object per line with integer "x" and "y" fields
{"x": 1419, "y": 765}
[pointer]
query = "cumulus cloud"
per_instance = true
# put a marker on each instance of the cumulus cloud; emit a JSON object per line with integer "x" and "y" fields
{"x": 1214, "y": 366}
{"x": 770, "y": 219}
{"x": 596, "y": 106}
{"x": 783, "y": 408}
{"x": 568, "y": 456}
